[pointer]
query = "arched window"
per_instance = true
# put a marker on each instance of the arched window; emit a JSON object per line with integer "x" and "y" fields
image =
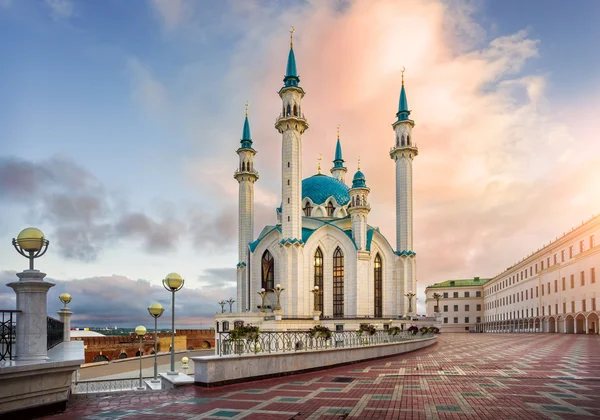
{"x": 397, "y": 140}
{"x": 402, "y": 140}
{"x": 338, "y": 283}
{"x": 307, "y": 209}
{"x": 352, "y": 205}
{"x": 289, "y": 111}
{"x": 378, "y": 283}
{"x": 319, "y": 279}
{"x": 122, "y": 356}
{"x": 225, "y": 325}
{"x": 330, "y": 209}
{"x": 408, "y": 140}
{"x": 268, "y": 271}
{"x": 295, "y": 111}
{"x": 100, "y": 358}
{"x": 243, "y": 166}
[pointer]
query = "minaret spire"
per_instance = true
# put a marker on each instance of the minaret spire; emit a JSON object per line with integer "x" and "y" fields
{"x": 246, "y": 176}
{"x": 338, "y": 171}
{"x": 403, "y": 112}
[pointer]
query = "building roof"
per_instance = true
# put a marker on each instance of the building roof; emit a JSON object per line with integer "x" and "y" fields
{"x": 476, "y": 281}
{"x": 359, "y": 180}
{"x": 246, "y": 138}
{"x": 320, "y": 187}
{"x": 338, "y": 161}
{"x": 291, "y": 75}
{"x": 403, "y": 112}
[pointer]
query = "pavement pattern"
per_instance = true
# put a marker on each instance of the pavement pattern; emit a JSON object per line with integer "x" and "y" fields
{"x": 470, "y": 376}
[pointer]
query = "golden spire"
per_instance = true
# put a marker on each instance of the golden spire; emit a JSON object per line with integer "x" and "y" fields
{"x": 319, "y": 159}
{"x": 338, "y": 131}
{"x": 247, "y": 104}
{"x": 403, "y": 70}
{"x": 359, "y": 163}
{"x": 292, "y": 37}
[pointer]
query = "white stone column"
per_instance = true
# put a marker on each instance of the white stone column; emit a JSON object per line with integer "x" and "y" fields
{"x": 32, "y": 329}
{"x": 587, "y": 331}
{"x": 65, "y": 317}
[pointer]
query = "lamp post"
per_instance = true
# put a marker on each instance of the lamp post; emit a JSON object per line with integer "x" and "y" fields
{"x": 184, "y": 364}
{"x": 410, "y": 295}
{"x": 277, "y": 290}
{"x": 65, "y": 316}
{"x": 140, "y": 330}
{"x": 31, "y": 244}
{"x": 155, "y": 310}
{"x": 222, "y": 303}
{"x": 173, "y": 282}
{"x": 31, "y": 290}
{"x": 316, "y": 292}
{"x": 230, "y": 301}
{"x": 263, "y": 295}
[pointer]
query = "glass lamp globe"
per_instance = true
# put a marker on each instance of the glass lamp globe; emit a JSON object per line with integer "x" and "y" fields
{"x": 156, "y": 309}
{"x": 173, "y": 281}
{"x": 140, "y": 330}
{"x": 185, "y": 360}
{"x": 30, "y": 239}
{"x": 65, "y": 298}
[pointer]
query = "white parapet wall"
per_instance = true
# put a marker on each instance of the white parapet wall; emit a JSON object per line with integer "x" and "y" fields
{"x": 221, "y": 370}
{"x": 30, "y": 384}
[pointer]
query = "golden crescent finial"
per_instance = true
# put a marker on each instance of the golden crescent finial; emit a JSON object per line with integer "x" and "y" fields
{"x": 403, "y": 70}
{"x": 359, "y": 163}
{"x": 319, "y": 159}
{"x": 292, "y": 37}
{"x": 338, "y": 131}
{"x": 247, "y": 104}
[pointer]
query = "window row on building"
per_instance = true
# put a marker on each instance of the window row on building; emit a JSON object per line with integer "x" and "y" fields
{"x": 467, "y": 320}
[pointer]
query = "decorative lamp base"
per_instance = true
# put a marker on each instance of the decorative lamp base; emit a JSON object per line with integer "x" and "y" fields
{"x": 278, "y": 314}
{"x": 316, "y": 315}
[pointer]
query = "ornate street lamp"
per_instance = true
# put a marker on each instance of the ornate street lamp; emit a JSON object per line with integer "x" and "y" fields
{"x": 316, "y": 292}
{"x": 277, "y": 290}
{"x": 155, "y": 310}
{"x": 173, "y": 282}
{"x": 65, "y": 298}
{"x": 410, "y": 295}
{"x": 140, "y": 330}
{"x": 222, "y": 303}
{"x": 31, "y": 244}
{"x": 263, "y": 295}
{"x": 230, "y": 301}
{"x": 184, "y": 364}
{"x": 437, "y": 298}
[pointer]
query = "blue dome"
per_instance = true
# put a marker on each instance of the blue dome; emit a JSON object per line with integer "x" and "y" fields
{"x": 320, "y": 187}
{"x": 359, "y": 180}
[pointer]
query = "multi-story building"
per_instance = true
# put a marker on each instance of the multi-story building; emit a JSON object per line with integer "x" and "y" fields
{"x": 552, "y": 290}
{"x": 460, "y": 306}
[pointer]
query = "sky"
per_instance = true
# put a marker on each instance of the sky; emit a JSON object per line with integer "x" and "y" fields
{"x": 119, "y": 123}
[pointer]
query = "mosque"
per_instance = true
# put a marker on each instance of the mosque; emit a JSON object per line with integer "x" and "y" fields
{"x": 322, "y": 237}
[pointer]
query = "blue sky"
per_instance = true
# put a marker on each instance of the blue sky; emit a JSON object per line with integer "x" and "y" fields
{"x": 130, "y": 113}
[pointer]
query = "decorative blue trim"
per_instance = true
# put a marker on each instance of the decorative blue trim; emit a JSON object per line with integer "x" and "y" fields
{"x": 240, "y": 264}
{"x": 405, "y": 253}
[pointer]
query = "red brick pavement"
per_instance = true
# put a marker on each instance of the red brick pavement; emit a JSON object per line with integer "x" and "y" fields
{"x": 466, "y": 376}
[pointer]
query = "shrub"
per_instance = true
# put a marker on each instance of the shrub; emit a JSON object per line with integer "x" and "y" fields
{"x": 369, "y": 329}
{"x": 394, "y": 331}
{"x": 248, "y": 332}
{"x": 320, "y": 331}
{"x": 413, "y": 329}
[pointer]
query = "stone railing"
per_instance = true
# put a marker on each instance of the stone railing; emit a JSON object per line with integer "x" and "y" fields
{"x": 7, "y": 333}
{"x": 56, "y": 332}
{"x": 293, "y": 341}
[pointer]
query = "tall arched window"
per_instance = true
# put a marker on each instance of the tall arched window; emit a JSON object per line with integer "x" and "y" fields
{"x": 338, "y": 283}
{"x": 378, "y": 287}
{"x": 295, "y": 111}
{"x": 402, "y": 141}
{"x": 330, "y": 209}
{"x": 289, "y": 110}
{"x": 268, "y": 271}
{"x": 319, "y": 279}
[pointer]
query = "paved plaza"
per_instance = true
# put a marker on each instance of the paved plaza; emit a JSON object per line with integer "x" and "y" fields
{"x": 472, "y": 376}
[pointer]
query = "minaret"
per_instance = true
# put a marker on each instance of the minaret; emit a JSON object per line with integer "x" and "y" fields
{"x": 291, "y": 124}
{"x": 359, "y": 209}
{"x": 246, "y": 177}
{"x": 403, "y": 153}
{"x": 339, "y": 171}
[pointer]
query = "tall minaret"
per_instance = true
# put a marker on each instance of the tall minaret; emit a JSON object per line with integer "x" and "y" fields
{"x": 291, "y": 124}
{"x": 246, "y": 176}
{"x": 338, "y": 171}
{"x": 403, "y": 153}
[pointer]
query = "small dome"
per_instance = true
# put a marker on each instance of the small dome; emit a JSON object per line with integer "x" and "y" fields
{"x": 320, "y": 187}
{"x": 359, "y": 180}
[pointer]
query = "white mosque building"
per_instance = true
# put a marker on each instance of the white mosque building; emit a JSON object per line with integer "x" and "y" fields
{"x": 322, "y": 236}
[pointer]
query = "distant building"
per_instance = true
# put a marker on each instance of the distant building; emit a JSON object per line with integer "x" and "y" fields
{"x": 460, "y": 305}
{"x": 552, "y": 290}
